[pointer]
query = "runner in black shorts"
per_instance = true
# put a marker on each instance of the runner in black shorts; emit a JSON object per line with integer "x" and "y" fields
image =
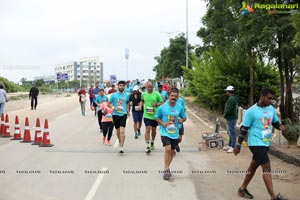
{"x": 121, "y": 109}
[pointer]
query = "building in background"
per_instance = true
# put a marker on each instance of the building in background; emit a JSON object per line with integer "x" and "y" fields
{"x": 88, "y": 70}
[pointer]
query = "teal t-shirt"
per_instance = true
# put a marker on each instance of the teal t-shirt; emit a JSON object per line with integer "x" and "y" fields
{"x": 260, "y": 120}
{"x": 119, "y": 101}
{"x": 100, "y": 99}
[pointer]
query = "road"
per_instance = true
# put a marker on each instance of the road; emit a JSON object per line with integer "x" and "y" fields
{"x": 80, "y": 167}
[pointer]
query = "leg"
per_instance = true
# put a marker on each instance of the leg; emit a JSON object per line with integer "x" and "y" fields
{"x": 168, "y": 157}
{"x": 32, "y": 98}
{"x": 110, "y": 130}
{"x": 122, "y": 135}
{"x": 100, "y": 118}
{"x": 35, "y": 103}
{"x": 153, "y": 133}
{"x": 1, "y": 108}
{"x": 251, "y": 171}
{"x": 105, "y": 128}
{"x": 147, "y": 136}
{"x": 228, "y": 132}
{"x": 232, "y": 131}
{"x": 266, "y": 167}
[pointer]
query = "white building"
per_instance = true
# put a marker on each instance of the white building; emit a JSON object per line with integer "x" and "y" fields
{"x": 85, "y": 69}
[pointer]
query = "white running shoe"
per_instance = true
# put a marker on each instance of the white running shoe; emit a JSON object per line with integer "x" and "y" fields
{"x": 230, "y": 150}
{"x": 226, "y": 148}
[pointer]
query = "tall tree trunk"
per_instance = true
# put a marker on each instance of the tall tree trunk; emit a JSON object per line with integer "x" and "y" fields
{"x": 281, "y": 77}
{"x": 251, "y": 78}
{"x": 289, "y": 111}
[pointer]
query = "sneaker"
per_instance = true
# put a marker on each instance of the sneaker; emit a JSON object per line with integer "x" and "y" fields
{"x": 136, "y": 135}
{"x": 245, "y": 193}
{"x": 166, "y": 174}
{"x": 148, "y": 150}
{"x": 230, "y": 150}
{"x": 103, "y": 139}
{"x": 139, "y": 132}
{"x": 121, "y": 151}
{"x": 108, "y": 143}
{"x": 226, "y": 148}
{"x": 152, "y": 146}
{"x": 279, "y": 197}
{"x": 177, "y": 148}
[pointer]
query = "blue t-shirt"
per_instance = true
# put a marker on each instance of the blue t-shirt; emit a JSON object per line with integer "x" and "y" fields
{"x": 96, "y": 91}
{"x": 119, "y": 101}
{"x": 171, "y": 115}
{"x": 260, "y": 120}
{"x": 100, "y": 99}
{"x": 164, "y": 95}
{"x": 128, "y": 90}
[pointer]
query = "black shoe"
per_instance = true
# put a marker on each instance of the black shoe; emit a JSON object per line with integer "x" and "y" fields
{"x": 148, "y": 151}
{"x": 177, "y": 148}
{"x": 136, "y": 136}
{"x": 279, "y": 197}
{"x": 31, "y": 108}
{"x": 244, "y": 193}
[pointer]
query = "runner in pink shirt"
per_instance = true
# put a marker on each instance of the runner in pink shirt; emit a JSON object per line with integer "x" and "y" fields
{"x": 107, "y": 121}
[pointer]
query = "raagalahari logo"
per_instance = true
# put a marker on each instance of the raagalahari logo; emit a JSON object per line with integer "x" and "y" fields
{"x": 275, "y": 8}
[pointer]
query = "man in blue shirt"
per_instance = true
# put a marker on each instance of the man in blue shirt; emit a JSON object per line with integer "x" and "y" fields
{"x": 258, "y": 122}
{"x": 95, "y": 92}
{"x": 121, "y": 109}
{"x": 169, "y": 116}
{"x": 163, "y": 94}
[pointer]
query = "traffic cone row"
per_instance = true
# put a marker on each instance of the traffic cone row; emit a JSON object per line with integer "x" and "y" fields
{"x": 41, "y": 139}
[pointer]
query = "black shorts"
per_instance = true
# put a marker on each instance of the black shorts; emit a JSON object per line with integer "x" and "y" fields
{"x": 181, "y": 130}
{"x": 168, "y": 141}
{"x": 260, "y": 154}
{"x": 150, "y": 122}
{"x": 119, "y": 121}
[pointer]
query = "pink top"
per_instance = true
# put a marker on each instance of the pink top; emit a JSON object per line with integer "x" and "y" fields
{"x": 107, "y": 112}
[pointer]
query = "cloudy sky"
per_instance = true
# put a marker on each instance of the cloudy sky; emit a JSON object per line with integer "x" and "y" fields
{"x": 36, "y": 35}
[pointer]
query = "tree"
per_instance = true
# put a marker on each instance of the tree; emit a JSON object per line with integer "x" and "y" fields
{"x": 172, "y": 58}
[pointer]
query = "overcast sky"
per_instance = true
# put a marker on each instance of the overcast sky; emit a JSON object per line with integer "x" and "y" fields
{"x": 36, "y": 35}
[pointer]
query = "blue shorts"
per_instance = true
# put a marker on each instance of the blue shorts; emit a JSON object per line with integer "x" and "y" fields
{"x": 150, "y": 122}
{"x": 137, "y": 116}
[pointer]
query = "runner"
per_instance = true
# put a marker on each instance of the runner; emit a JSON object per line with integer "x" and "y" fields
{"x": 258, "y": 122}
{"x": 169, "y": 116}
{"x": 112, "y": 90}
{"x": 121, "y": 109}
{"x": 107, "y": 121}
{"x": 95, "y": 91}
{"x": 150, "y": 100}
{"x": 137, "y": 111}
{"x": 99, "y": 99}
{"x": 163, "y": 94}
{"x": 91, "y": 95}
{"x": 82, "y": 99}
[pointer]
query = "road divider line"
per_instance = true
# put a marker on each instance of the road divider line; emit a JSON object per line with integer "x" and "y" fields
{"x": 95, "y": 186}
{"x": 200, "y": 119}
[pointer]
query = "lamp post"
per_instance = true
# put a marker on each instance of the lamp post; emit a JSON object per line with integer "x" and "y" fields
{"x": 126, "y": 57}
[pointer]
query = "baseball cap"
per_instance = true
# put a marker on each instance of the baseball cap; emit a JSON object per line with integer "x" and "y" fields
{"x": 229, "y": 88}
{"x": 135, "y": 88}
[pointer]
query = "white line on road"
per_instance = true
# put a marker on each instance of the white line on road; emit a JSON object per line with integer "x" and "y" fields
{"x": 95, "y": 186}
{"x": 199, "y": 119}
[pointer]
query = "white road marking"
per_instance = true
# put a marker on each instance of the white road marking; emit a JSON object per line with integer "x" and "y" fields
{"x": 95, "y": 186}
{"x": 200, "y": 119}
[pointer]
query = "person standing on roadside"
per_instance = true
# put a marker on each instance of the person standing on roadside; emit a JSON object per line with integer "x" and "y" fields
{"x": 3, "y": 98}
{"x": 150, "y": 100}
{"x": 231, "y": 115}
{"x": 121, "y": 109}
{"x": 169, "y": 116}
{"x": 137, "y": 111}
{"x": 82, "y": 99}
{"x": 257, "y": 123}
{"x": 33, "y": 96}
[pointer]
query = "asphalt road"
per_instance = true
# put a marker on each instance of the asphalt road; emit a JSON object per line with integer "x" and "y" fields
{"x": 80, "y": 167}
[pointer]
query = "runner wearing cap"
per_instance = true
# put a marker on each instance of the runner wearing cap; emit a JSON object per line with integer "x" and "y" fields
{"x": 137, "y": 110}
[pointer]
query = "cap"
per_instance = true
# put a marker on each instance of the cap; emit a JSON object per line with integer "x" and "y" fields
{"x": 135, "y": 88}
{"x": 229, "y": 88}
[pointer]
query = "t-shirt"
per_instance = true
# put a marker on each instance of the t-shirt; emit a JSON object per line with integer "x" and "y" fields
{"x": 119, "y": 101}
{"x": 259, "y": 120}
{"x": 148, "y": 99}
{"x": 171, "y": 115}
{"x": 180, "y": 100}
{"x": 106, "y": 113}
{"x": 100, "y": 99}
{"x": 164, "y": 95}
{"x": 136, "y": 102}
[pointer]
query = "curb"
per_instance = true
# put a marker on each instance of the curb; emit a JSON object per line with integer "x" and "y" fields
{"x": 284, "y": 156}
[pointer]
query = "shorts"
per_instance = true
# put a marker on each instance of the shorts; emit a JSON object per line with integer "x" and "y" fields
{"x": 260, "y": 154}
{"x": 150, "y": 122}
{"x": 181, "y": 130}
{"x": 119, "y": 121}
{"x": 168, "y": 141}
{"x": 137, "y": 116}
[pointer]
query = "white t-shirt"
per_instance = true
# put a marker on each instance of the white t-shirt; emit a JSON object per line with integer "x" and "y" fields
{"x": 3, "y": 96}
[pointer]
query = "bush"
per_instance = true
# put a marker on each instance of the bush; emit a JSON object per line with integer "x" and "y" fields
{"x": 291, "y": 131}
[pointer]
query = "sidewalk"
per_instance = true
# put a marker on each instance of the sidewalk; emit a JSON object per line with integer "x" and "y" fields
{"x": 287, "y": 153}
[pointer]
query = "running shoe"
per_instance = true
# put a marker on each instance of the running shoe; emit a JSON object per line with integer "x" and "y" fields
{"x": 148, "y": 150}
{"x": 177, "y": 148}
{"x": 230, "y": 150}
{"x": 245, "y": 193}
{"x": 152, "y": 146}
{"x": 136, "y": 135}
{"x": 139, "y": 132}
{"x": 108, "y": 143}
{"x": 166, "y": 174}
{"x": 279, "y": 197}
{"x": 121, "y": 150}
{"x": 103, "y": 139}
{"x": 226, "y": 148}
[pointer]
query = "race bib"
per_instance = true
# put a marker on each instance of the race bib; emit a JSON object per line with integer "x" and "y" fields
{"x": 108, "y": 116}
{"x": 266, "y": 135}
{"x": 171, "y": 129}
{"x": 137, "y": 108}
{"x": 120, "y": 109}
{"x": 150, "y": 110}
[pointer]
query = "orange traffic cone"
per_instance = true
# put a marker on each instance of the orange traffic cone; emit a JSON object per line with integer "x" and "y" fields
{"x": 17, "y": 134}
{"x": 6, "y": 128}
{"x": 46, "y": 138}
{"x": 27, "y": 137}
{"x": 38, "y": 133}
{"x": 2, "y": 126}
